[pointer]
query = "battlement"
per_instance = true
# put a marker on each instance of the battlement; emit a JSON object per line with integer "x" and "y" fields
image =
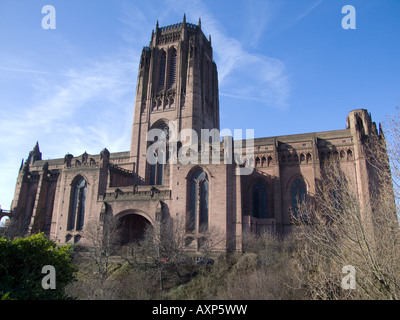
{"x": 179, "y": 26}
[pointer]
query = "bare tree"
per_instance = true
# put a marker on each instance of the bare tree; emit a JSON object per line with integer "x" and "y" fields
{"x": 336, "y": 229}
{"x": 162, "y": 248}
{"x": 102, "y": 241}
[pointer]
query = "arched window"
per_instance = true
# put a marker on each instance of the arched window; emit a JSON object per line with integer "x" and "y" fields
{"x": 153, "y": 170}
{"x": 160, "y": 155}
{"x": 336, "y": 155}
{"x": 4, "y": 222}
{"x": 302, "y": 158}
{"x": 298, "y": 195}
{"x": 157, "y": 169}
{"x": 78, "y": 201}
{"x": 172, "y": 68}
{"x": 163, "y": 61}
{"x": 198, "y": 202}
{"x": 349, "y": 154}
{"x": 260, "y": 209}
{"x": 263, "y": 162}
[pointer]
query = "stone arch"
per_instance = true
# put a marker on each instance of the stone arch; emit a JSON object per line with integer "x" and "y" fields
{"x": 132, "y": 225}
{"x": 160, "y": 124}
{"x": 294, "y": 178}
{"x": 264, "y": 162}
{"x": 79, "y": 176}
{"x": 350, "y": 155}
{"x": 302, "y": 158}
{"x": 199, "y": 167}
{"x": 4, "y": 221}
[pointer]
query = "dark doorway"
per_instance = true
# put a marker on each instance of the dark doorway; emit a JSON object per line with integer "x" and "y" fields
{"x": 133, "y": 227}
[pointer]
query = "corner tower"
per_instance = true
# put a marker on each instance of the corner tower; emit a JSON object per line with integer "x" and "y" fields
{"x": 177, "y": 81}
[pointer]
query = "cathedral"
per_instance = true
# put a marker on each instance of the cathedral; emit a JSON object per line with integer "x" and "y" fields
{"x": 235, "y": 187}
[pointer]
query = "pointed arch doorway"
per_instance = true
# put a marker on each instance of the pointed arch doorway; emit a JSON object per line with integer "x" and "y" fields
{"x": 132, "y": 227}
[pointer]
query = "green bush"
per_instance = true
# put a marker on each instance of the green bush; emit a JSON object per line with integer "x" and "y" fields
{"x": 21, "y": 263}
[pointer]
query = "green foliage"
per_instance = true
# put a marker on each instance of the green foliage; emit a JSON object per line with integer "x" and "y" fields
{"x": 21, "y": 263}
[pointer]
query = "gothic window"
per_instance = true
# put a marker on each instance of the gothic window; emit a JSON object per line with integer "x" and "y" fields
{"x": 160, "y": 155}
{"x": 302, "y": 158}
{"x": 263, "y": 161}
{"x": 336, "y": 155}
{"x": 298, "y": 195}
{"x": 78, "y": 201}
{"x": 153, "y": 169}
{"x": 172, "y": 68}
{"x": 260, "y": 209}
{"x": 157, "y": 170}
{"x": 309, "y": 157}
{"x": 349, "y": 155}
{"x": 163, "y": 61}
{"x": 198, "y": 202}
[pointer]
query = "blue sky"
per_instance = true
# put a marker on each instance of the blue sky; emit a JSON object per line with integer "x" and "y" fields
{"x": 284, "y": 67}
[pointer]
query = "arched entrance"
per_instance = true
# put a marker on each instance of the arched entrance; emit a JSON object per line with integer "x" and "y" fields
{"x": 133, "y": 227}
{"x": 4, "y": 221}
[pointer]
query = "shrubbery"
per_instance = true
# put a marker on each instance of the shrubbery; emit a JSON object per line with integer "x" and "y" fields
{"x": 21, "y": 263}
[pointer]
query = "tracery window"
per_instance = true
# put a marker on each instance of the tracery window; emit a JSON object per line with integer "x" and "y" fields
{"x": 163, "y": 61}
{"x": 160, "y": 155}
{"x": 172, "y": 68}
{"x": 298, "y": 195}
{"x": 198, "y": 202}
{"x": 260, "y": 208}
{"x": 157, "y": 170}
{"x": 78, "y": 201}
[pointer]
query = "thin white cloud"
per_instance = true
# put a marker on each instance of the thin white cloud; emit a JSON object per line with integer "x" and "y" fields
{"x": 242, "y": 73}
{"x": 81, "y": 109}
{"x": 299, "y": 17}
{"x": 258, "y": 14}
{"x": 70, "y": 74}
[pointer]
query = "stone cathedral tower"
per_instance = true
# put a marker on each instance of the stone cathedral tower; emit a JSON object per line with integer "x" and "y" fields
{"x": 177, "y": 81}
